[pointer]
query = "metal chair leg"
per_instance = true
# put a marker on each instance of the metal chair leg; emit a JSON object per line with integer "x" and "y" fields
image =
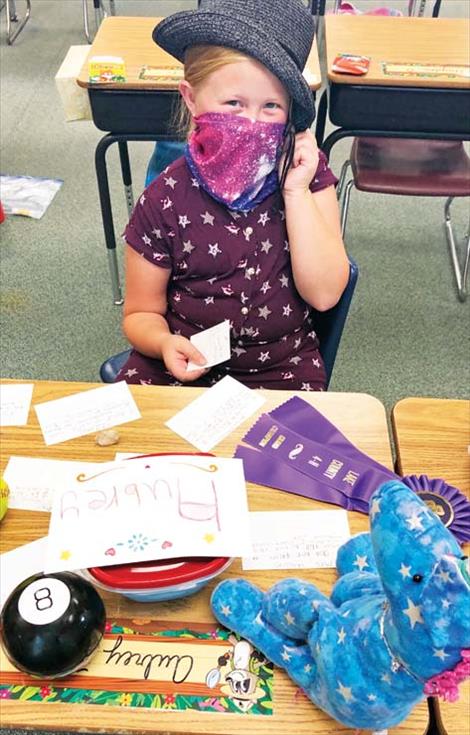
{"x": 12, "y": 17}
{"x": 342, "y": 177}
{"x": 345, "y": 205}
{"x": 460, "y": 272}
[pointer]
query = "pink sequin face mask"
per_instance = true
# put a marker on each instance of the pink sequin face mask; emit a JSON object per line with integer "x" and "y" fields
{"x": 234, "y": 159}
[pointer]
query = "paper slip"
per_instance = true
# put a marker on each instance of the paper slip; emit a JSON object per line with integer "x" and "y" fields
{"x": 214, "y": 343}
{"x": 151, "y": 508}
{"x": 33, "y": 481}
{"x": 296, "y": 539}
{"x": 212, "y": 416}
{"x": 84, "y": 413}
{"x": 19, "y": 564}
{"x": 15, "y": 400}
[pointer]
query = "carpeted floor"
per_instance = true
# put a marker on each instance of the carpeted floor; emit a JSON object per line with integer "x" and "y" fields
{"x": 407, "y": 334}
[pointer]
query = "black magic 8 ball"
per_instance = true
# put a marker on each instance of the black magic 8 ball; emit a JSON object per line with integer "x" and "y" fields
{"x": 51, "y": 624}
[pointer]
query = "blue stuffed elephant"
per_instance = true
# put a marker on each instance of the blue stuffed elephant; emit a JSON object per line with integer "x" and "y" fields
{"x": 397, "y": 618}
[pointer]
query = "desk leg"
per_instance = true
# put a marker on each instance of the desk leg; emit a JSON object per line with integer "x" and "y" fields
{"x": 321, "y": 118}
{"x": 107, "y": 214}
{"x": 126, "y": 175}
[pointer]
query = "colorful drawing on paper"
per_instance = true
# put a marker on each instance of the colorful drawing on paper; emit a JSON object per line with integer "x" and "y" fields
{"x": 200, "y": 667}
{"x": 147, "y": 509}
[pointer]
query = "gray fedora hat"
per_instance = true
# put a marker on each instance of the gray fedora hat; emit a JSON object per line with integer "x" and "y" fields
{"x": 278, "y": 33}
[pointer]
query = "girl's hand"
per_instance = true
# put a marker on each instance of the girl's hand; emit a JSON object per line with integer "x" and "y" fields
{"x": 176, "y": 352}
{"x": 304, "y": 163}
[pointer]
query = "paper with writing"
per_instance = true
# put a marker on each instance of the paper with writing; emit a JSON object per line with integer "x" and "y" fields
{"x": 15, "y": 400}
{"x": 150, "y": 508}
{"x": 296, "y": 539}
{"x": 19, "y": 564}
{"x": 83, "y": 413}
{"x": 33, "y": 480}
{"x": 214, "y": 343}
{"x": 212, "y": 416}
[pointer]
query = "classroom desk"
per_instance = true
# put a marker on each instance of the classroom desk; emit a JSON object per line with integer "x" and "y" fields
{"x": 138, "y": 109}
{"x": 362, "y": 419}
{"x": 395, "y": 105}
{"x": 432, "y": 437}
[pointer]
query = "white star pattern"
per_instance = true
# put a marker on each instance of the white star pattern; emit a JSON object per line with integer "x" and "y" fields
{"x": 444, "y": 576}
{"x": 307, "y": 668}
{"x": 284, "y": 281}
{"x": 238, "y": 351}
{"x": 209, "y": 300}
{"x": 374, "y": 508}
{"x": 264, "y": 356}
{"x": 214, "y": 249}
{"x": 285, "y": 655}
{"x": 414, "y": 523}
{"x": 188, "y": 247}
{"x": 195, "y": 182}
{"x": 264, "y": 218}
{"x": 266, "y": 246}
{"x": 360, "y": 562}
{"x": 129, "y": 373}
{"x": 290, "y": 620}
{"x": 306, "y": 386}
{"x": 233, "y": 229}
{"x": 286, "y": 310}
{"x": 146, "y": 239}
{"x": 341, "y": 636}
{"x": 386, "y": 678}
{"x": 264, "y": 312}
{"x": 413, "y": 612}
{"x": 404, "y": 571}
{"x": 440, "y": 653}
{"x": 142, "y": 199}
{"x": 295, "y": 360}
{"x": 345, "y": 692}
{"x": 183, "y": 221}
{"x": 226, "y": 610}
{"x": 170, "y": 181}
{"x": 157, "y": 233}
{"x": 371, "y": 697}
{"x": 265, "y": 287}
{"x": 207, "y": 218}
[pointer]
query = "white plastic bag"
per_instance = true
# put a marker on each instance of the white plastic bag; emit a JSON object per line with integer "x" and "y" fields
{"x": 29, "y": 196}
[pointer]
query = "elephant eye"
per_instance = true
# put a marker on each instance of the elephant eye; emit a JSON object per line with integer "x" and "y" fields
{"x": 463, "y": 558}
{"x": 417, "y": 578}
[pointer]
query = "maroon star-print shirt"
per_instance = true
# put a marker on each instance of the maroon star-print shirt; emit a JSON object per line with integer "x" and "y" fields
{"x": 227, "y": 265}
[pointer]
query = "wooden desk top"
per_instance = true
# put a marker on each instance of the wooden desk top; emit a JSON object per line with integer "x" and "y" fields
{"x": 399, "y": 40}
{"x": 131, "y": 39}
{"x": 360, "y": 417}
{"x": 432, "y": 436}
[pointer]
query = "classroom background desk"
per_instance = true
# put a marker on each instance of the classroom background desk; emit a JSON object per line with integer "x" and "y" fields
{"x": 432, "y": 437}
{"x": 391, "y": 104}
{"x": 361, "y": 418}
{"x": 137, "y": 109}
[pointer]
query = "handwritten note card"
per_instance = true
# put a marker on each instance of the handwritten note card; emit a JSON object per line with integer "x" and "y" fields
{"x": 19, "y": 564}
{"x": 212, "y": 416}
{"x": 15, "y": 399}
{"x": 33, "y": 481}
{"x": 83, "y": 413}
{"x": 296, "y": 539}
{"x": 149, "y": 508}
{"x": 214, "y": 343}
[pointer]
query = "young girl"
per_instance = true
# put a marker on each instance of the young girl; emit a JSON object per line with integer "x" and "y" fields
{"x": 245, "y": 226}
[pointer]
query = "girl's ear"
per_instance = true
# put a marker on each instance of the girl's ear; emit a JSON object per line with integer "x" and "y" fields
{"x": 187, "y": 93}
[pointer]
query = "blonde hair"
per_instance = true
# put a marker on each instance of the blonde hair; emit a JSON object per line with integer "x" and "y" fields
{"x": 199, "y": 63}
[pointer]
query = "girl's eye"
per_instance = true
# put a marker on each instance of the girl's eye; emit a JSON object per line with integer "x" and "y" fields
{"x": 272, "y": 105}
{"x": 232, "y": 103}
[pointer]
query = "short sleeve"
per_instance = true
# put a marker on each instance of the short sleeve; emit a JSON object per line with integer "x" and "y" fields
{"x": 149, "y": 231}
{"x": 324, "y": 176}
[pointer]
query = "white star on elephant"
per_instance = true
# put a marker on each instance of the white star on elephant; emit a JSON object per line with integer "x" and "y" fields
{"x": 413, "y": 612}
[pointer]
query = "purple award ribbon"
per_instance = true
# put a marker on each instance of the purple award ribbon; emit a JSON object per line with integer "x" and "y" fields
{"x": 300, "y": 451}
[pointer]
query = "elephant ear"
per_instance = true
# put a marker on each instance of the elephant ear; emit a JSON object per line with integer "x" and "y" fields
{"x": 445, "y": 606}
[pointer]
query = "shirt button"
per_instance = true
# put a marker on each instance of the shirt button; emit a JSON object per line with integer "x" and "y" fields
{"x": 251, "y": 271}
{"x": 249, "y": 231}
{"x": 244, "y": 310}
{"x": 240, "y": 342}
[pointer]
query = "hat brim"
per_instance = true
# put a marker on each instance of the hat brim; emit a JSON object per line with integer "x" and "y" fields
{"x": 178, "y": 32}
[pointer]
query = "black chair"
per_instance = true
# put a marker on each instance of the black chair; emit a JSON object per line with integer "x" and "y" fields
{"x": 329, "y": 326}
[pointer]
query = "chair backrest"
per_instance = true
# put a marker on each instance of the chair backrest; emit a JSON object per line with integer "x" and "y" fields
{"x": 329, "y": 324}
{"x": 329, "y": 327}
